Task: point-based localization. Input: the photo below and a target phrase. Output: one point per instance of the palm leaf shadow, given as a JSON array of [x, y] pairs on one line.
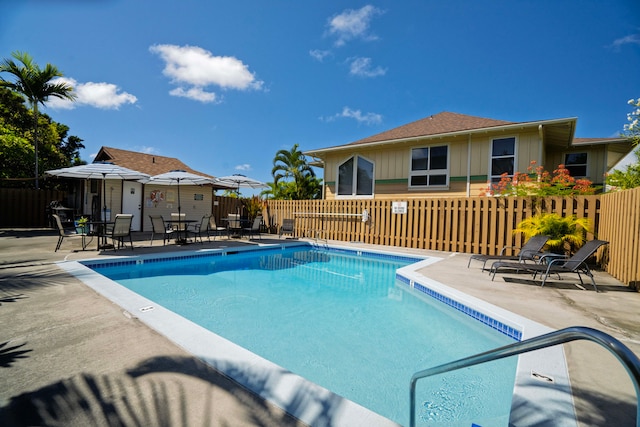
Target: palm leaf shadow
[[9, 355]]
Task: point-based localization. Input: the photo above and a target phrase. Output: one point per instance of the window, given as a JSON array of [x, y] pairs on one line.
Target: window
[[503, 158], [429, 167], [576, 163], [355, 177]]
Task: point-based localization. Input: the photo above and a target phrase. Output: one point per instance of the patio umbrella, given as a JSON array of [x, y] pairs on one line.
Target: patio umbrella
[[99, 170], [238, 180], [179, 177]]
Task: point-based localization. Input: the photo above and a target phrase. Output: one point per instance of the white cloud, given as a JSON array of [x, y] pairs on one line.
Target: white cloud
[[630, 39], [243, 167], [362, 67], [195, 93], [145, 149], [353, 24], [366, 118], [106, 96], [319, 55], [193, 69]]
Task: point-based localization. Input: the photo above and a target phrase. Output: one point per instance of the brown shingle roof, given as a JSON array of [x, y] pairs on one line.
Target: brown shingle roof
[[436, 124], [151, 164]]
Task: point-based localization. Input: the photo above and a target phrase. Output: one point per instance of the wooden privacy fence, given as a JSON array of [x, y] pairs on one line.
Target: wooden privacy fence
[[473, 225], [481, 225], [620, 226], [20, 207], [223, 206]]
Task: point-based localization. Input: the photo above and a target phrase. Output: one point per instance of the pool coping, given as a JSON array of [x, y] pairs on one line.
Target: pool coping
[[280, 386]]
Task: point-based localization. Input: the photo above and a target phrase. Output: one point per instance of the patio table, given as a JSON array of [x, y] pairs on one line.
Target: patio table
[[99, 229], [181, 240]]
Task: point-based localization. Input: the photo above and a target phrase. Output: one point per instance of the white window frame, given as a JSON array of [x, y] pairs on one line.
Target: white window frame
[[586, 164], [353, 194], [492, 157], [429, 172]]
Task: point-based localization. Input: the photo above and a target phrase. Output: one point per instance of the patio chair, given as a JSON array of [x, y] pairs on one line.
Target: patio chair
[[255, 227], [160, 228], [288, 227], [121, 229], [178, 221], [202, 228], [234, 225], [64, 233], [214, 229], [576, 264], [530, 251]]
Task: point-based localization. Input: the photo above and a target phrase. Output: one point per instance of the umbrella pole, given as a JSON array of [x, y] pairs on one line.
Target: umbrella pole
[[104, 210], [179, 214]]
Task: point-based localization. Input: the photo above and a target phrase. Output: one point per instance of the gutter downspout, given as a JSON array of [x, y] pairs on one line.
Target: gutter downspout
[[469, 166]]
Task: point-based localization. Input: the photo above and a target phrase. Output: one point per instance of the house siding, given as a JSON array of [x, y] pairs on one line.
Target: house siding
[[392, 164], [194, 209]]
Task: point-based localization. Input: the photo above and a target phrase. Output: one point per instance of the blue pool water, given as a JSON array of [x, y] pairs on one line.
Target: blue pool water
[[341, 321]]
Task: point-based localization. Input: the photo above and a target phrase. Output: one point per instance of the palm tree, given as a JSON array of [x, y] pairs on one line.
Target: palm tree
[[292, 165], [35, 85]]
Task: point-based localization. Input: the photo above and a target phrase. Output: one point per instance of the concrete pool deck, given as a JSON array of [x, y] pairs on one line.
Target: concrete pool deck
[[62, 342]]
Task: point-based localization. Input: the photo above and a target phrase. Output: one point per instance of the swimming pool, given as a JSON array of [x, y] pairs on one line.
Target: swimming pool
[[402, 294]]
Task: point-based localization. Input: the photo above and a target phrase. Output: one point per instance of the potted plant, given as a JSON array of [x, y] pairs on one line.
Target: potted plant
[[81, 225], [566, 234]]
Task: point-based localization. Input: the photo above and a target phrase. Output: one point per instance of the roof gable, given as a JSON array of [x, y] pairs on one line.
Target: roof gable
[[151, 164]]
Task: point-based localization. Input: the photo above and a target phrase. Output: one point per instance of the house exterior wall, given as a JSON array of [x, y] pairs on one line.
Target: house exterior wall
[[596, 161], [194, 209], [392, 163]]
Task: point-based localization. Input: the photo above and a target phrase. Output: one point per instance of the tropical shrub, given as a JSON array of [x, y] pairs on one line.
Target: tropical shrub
[[252, 206], [539, 182], [566, 234]]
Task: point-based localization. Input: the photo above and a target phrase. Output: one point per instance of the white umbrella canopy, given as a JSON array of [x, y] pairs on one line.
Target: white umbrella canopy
[[238, 180], [98, 170], [179, 177]]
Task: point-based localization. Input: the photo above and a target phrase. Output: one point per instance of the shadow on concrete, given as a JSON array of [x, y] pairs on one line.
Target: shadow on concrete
[[161, 391], [13, 285], [8, 355], [11, 298], [591, 408], [568, 284]]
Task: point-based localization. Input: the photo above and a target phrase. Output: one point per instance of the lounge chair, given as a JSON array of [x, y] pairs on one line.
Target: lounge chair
[[530, 251], [255, 228], [288, 227], [576, 264], [121, 229], [66, 233], [160, 228]]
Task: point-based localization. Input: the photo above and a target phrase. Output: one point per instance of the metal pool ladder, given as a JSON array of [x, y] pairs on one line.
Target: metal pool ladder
[[619, 350]]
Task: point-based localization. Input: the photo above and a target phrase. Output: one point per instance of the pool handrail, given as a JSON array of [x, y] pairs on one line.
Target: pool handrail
[[562, 336]]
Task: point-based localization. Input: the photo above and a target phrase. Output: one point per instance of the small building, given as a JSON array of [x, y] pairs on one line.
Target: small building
[[143, 200], [456, 155]]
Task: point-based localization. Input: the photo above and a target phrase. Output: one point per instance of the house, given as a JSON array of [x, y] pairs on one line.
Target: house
[[143, 200], [456, 155]]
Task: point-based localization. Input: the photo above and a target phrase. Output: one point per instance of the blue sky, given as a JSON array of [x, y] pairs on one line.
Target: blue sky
[[224, 85]]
